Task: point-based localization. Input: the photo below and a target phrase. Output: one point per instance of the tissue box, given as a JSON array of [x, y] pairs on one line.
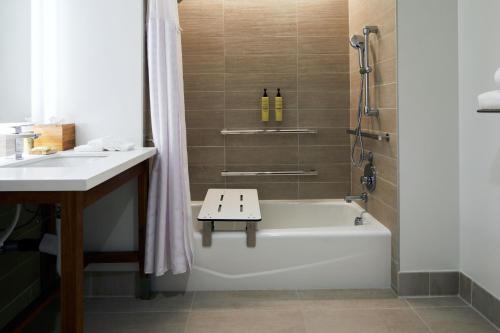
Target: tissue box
[[7, 145], [57, 137]]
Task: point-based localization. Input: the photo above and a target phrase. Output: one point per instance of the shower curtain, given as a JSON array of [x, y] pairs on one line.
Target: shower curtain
[[169, 230]]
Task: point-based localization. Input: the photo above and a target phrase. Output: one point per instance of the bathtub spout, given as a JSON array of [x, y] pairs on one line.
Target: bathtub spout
[[362, 197]]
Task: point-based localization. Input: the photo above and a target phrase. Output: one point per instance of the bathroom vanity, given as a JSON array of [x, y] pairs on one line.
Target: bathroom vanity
[[75, 181]]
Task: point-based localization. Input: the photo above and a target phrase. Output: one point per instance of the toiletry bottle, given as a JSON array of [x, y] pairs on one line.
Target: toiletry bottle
[[278, 107], [265, 107]]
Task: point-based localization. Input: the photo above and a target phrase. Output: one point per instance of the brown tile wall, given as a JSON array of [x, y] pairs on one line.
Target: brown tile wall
[[383, 203], [232, 49]]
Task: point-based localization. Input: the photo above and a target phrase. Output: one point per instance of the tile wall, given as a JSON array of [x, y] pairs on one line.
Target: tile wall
[[232, 49]]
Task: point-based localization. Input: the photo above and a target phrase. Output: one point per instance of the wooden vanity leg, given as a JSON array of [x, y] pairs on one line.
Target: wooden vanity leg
[[72, 279], [142, 197]]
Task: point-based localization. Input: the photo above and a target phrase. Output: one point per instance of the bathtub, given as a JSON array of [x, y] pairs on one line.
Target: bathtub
[[300, 245]]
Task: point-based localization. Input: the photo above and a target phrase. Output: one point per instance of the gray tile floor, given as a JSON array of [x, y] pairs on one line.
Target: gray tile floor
[[339, 311]]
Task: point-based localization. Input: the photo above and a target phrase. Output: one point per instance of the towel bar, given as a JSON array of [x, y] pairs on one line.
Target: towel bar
[[378, 137], [268, 173], [269, 131]]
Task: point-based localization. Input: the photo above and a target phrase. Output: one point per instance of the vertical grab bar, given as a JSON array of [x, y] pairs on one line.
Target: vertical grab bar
[[369, 111]]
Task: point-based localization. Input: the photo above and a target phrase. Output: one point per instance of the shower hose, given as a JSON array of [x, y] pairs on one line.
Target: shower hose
[[358, 140]]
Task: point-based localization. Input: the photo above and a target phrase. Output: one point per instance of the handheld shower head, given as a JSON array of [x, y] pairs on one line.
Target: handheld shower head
[[357, 41]]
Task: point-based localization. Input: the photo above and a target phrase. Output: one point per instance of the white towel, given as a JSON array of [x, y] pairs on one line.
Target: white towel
[[489, 100], [497, 77], [112, 144]]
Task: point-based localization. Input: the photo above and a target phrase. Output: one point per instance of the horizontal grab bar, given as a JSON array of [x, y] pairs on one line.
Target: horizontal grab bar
[[269, 131], [378, 137], [268, 173]]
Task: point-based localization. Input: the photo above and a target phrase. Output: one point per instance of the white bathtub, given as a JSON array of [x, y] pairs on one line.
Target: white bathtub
[[300, 245]]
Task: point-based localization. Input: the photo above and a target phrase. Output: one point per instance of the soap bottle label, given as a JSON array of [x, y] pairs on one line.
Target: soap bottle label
[[278, 107], [265, 107]]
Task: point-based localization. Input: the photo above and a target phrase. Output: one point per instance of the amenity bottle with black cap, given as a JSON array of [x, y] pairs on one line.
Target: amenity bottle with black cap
[[265, 107]]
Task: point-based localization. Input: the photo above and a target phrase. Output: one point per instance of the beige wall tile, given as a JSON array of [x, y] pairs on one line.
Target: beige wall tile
[[206, 174], [251, 119], [322, 45], [327, 173], [262, 64], [203, 64], [263, 179], [322, 100], [258, 81], [260, 45], [195, 119], [323, 8], [261, 155], [329, 118], [204, 82], [325, 137], [206, 155], [323, 63], [278, 140], [204, 100], [323, 190], [198, 191], [205, 137], [323, 154], [196, 45], [203, 26], [322, 26]]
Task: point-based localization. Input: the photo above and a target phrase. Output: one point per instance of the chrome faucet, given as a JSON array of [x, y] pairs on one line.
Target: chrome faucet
[[359, 220], [19, 137], [362, 197]]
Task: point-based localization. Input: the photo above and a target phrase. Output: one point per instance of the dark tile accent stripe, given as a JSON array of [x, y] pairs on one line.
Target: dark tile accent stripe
[[443, 283], [465, 288], [428, 284], [413, 284], [487, 304]]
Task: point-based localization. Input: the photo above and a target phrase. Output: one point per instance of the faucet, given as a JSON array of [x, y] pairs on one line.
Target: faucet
[[19, 136], [362, 197], [359, 220]]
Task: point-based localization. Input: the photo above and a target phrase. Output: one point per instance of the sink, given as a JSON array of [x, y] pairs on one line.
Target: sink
[[60, 162]]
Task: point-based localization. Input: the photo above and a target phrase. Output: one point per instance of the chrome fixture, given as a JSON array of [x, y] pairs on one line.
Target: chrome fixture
[[374, 136], [362, 197], [359, 220], [19, 135], [369, 178], [268, 173], [362, 44], [269, 131]]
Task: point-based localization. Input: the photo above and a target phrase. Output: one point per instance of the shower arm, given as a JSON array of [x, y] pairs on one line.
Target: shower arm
[[369, 111]]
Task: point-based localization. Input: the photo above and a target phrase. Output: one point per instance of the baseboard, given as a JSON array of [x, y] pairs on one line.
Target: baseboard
[[480, 299], [428, 283]]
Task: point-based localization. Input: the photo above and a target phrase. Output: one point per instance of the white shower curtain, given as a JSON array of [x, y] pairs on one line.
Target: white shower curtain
[[169, 232]]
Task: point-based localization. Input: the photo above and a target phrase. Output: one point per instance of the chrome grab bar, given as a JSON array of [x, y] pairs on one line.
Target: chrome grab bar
[[268, 173], [378, 137], [269, 131]]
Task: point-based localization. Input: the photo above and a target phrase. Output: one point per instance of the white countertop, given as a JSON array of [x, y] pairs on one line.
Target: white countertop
[[15, 177]]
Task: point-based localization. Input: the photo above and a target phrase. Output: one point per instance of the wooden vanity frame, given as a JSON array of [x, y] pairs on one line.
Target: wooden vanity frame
[[73, 258]]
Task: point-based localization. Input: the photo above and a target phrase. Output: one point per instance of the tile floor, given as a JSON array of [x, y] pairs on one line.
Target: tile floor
[[338, 311]]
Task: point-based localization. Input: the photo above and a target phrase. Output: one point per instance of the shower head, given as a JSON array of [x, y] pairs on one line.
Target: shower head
[[357, 41]]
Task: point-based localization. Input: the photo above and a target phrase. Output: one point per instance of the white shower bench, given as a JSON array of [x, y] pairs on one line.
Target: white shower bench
[[230, 205]]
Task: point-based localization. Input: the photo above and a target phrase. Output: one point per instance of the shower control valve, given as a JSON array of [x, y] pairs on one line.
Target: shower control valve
[[367, 180]]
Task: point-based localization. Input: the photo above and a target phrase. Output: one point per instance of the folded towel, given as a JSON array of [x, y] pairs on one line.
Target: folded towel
[[113, 144], [497, 77], [489, 100], [88, 149]]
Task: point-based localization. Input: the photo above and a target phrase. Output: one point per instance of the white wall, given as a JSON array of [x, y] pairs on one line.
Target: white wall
[[15, 60], [479, 144], [101, 90], [428, 135]]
